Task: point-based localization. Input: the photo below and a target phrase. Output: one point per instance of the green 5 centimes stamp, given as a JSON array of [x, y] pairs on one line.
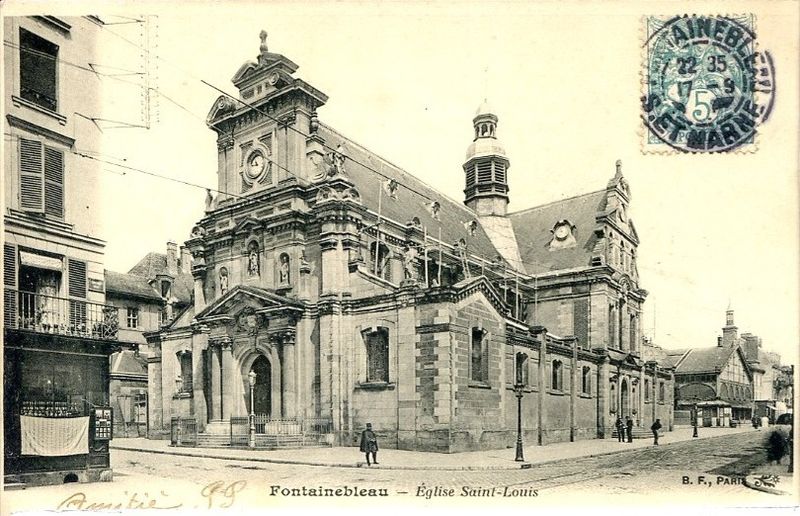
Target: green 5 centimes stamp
[[707, 88]]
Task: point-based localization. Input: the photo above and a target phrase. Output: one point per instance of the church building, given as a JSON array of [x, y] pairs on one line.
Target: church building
[[351, 292]]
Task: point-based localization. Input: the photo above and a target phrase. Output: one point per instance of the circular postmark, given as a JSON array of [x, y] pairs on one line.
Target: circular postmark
[[708, 88]]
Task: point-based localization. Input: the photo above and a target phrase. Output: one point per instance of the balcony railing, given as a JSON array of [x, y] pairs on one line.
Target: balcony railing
[[60, 316]]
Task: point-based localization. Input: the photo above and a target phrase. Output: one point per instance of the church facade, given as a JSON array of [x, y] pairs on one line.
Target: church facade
[[356, 293]]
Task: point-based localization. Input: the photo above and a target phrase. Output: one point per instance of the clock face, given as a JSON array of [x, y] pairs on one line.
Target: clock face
[[255, 165], [562, 231]]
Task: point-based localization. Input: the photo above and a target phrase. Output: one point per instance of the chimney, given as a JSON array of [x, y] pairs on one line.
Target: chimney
[[186, 260], [719, 342], [172, 258], [729, 332]]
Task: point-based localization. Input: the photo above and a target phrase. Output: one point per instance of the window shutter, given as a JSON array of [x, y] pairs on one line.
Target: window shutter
[[9, 280], [77, 279], [53, 182], [31, 197], [9, 265]]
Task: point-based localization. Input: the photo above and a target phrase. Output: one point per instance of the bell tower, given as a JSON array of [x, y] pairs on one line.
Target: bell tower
[[486, 167]]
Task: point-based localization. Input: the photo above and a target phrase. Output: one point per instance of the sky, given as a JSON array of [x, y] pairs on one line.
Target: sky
[[404, 80]]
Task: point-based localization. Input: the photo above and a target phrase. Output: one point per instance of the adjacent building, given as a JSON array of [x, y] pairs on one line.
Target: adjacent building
[[352, 292], [58, 330], [148, 296]]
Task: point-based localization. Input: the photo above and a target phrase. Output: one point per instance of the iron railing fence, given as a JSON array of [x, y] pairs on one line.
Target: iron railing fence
[[58, 315], [306, 431]]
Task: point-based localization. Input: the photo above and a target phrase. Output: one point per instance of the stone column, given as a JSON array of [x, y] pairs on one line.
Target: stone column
[[199, 295], [199, 345], [155, 400], [215, 369], [228, 378], [289, 380], [602, 402]]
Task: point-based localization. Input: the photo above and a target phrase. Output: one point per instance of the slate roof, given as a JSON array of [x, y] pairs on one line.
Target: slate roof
[[452, 216], [154, 264], [533, 230], [705, 360], [130, 285]]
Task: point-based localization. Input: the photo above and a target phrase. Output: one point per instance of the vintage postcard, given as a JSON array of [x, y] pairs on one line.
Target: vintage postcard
[[452, 255]]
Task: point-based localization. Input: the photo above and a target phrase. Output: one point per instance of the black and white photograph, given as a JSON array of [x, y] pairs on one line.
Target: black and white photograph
[[458, 254]]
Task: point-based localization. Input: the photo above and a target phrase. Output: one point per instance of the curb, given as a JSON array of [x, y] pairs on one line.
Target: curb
[[524, 465]]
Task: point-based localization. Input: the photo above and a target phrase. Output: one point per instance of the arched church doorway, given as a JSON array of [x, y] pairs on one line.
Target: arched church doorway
[[625, 402], [262, 391]]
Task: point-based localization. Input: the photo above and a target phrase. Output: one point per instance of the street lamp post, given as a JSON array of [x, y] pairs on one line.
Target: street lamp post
[[252, 435], [694, 421], [518, 391]]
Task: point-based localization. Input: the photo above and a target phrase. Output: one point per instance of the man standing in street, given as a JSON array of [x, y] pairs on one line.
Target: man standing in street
[[620, 429], [629, 425], [655, 428], [369, 444]]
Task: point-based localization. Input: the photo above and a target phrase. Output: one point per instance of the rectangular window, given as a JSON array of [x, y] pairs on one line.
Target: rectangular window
[[41, 172], [478, 371], [580, 323], [133, 317], [38, 60], [377, 343], [647, 390], [661, 392], [612, 326]]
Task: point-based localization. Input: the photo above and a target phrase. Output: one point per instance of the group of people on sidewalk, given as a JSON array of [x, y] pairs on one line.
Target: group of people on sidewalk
[[625, 428]]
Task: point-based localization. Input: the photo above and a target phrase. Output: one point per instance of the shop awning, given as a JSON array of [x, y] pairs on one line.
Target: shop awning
[[29, 259]]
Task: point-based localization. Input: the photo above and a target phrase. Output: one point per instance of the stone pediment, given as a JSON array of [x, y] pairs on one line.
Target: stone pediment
[[247, 225], [252, 300], [274, 63]]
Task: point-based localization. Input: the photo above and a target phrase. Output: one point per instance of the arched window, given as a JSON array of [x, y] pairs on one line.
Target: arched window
[[376, 341], [557, 380], [646, 389], [632, 343], [253, 260], [586, 380], [479, 370], [521, 369], [183, 383]]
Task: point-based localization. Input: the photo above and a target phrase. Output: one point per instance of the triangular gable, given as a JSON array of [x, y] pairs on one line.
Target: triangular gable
[[467, 286], [240, 293], [743, 358], [247, 225]]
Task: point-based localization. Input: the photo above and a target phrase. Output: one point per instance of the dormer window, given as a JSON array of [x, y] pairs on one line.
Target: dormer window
[[563, 235]]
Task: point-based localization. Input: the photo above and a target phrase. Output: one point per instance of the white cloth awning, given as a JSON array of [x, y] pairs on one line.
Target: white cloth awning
[[42, 262]]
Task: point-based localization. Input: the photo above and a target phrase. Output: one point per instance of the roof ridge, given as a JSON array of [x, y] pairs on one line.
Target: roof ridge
[[526, 210]]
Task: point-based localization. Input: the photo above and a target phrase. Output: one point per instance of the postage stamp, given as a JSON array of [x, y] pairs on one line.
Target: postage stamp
[[706, 86]]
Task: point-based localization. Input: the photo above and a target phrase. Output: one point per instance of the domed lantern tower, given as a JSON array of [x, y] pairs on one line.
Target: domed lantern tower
[[486, 167]]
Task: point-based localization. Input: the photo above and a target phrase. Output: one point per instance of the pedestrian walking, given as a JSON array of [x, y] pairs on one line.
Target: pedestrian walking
[[369, 444], [620, 429], [629, 425], [655, 428]]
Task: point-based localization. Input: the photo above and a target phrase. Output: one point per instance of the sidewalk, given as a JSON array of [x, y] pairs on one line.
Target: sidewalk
[[350, 457]]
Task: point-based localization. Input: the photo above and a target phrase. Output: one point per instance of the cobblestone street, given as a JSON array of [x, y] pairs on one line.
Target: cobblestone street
[[166, 480]]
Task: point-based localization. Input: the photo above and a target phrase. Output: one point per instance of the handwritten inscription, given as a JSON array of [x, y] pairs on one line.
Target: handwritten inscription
[[222, 495], [218, 495], [80, 502]]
